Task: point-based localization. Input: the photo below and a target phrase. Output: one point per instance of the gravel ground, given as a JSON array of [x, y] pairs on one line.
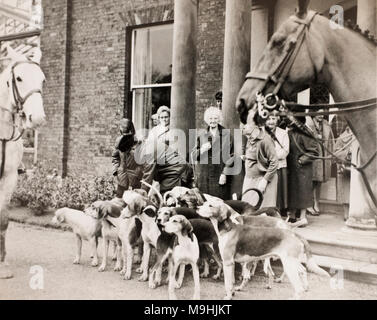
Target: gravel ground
[[53, 251]]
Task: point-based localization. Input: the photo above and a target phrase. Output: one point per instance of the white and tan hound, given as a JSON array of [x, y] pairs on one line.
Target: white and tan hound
[[243, 243], [185, 251]]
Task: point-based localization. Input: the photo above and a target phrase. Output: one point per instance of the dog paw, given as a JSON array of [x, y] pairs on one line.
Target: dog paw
[[122, 272], [139, 270], [178, 285], [143, 277], [152, 285], [114, 258], [204, 275], [228, 297], [239, 288], [101, 268], [269, 287], [196, 297], [127, 276], [94, 263], [117, 268], [216, 277], [76, 261]]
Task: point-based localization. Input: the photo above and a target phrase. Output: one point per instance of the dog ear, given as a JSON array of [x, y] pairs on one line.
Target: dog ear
[[224, 212], [136, 206], [60, 218], [187, 229], [150, 211]]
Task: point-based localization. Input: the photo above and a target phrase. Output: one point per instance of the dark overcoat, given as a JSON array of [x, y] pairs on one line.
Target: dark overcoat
[[300, 185], [211, 164], [128, 166]]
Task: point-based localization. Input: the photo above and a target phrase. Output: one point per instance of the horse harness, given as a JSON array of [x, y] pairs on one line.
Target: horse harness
[[19, 105], [278, 76]]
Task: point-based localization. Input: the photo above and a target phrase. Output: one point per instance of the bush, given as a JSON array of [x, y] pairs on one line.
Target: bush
[[41, 191]]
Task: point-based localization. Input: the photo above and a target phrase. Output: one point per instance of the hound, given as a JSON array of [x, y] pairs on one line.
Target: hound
[[144, 210], [185, 251], [245, 243], [107, 212], [84, 226], [204, 231]]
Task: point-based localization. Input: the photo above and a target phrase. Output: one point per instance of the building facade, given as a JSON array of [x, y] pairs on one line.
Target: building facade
[[109, 59]]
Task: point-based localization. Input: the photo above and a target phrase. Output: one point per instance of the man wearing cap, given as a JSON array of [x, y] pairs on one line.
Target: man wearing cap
[[127, 166]]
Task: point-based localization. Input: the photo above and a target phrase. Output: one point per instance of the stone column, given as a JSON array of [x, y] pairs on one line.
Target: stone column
[[259, 33], [367, 15], [184, 65], [236, 56], [360, 214], [236, 65]]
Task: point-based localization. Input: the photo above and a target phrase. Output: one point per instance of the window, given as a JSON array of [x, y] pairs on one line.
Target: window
[[20, 16], [21, 22], [151, 71]]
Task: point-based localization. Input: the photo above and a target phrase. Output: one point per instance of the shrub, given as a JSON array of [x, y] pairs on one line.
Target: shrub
[[40, 191]]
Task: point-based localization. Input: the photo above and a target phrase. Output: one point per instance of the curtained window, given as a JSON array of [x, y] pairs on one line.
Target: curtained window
[[151, 66]]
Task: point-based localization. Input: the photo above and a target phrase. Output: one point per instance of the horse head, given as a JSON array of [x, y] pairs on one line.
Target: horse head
[[21, 85], [290, 57]]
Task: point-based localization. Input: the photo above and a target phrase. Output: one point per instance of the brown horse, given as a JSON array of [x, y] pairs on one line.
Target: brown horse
[[20, 97], [341, 59]]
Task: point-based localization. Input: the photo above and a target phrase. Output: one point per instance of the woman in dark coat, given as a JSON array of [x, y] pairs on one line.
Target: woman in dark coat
[[214, 152], [300, 173], [126, 167]]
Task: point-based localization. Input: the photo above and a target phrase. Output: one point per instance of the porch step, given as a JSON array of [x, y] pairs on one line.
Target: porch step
[[342, 249], [348, 269], [328, 236], [330, 206]]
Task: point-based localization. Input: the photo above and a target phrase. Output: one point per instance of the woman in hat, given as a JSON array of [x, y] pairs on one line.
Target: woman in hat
[[261, 162], [126, 157], [302, 150], [281, 141]]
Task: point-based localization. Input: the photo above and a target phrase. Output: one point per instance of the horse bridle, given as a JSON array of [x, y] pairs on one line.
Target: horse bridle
[[279, 75], [19, 106]]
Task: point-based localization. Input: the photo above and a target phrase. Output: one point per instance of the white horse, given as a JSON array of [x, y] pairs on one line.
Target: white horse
[[21, 107]]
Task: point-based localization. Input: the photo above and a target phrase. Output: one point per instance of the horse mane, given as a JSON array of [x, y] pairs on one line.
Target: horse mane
[[365, 34]]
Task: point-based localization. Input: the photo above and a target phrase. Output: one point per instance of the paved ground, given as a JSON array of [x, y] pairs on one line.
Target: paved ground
[[53, 251]]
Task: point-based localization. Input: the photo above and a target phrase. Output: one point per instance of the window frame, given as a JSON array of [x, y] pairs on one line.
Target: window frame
[[130, 107]]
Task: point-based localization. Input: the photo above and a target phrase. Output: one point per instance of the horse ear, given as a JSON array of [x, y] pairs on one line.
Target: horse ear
[[302, 9], [35, 55], [8, 55]]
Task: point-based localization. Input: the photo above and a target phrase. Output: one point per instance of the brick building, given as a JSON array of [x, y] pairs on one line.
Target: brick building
[[102, 62]]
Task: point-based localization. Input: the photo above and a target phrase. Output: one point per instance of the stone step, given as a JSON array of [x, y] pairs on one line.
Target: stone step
[[331, 207], [348, 269], [343, 249]]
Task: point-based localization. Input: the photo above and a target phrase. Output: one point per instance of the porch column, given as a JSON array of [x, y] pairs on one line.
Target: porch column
[[361, 215], [259, 33], [184, 65], [366, 15], [236, 56]]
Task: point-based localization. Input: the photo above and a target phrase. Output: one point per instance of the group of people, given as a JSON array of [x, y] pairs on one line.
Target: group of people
[[285, 164]]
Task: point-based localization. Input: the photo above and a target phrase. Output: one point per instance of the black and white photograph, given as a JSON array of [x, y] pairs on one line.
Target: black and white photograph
[[155, 150]]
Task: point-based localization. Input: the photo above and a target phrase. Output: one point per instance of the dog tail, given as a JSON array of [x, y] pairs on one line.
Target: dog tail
[[155, 190], [310, 263], [260, 196]]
